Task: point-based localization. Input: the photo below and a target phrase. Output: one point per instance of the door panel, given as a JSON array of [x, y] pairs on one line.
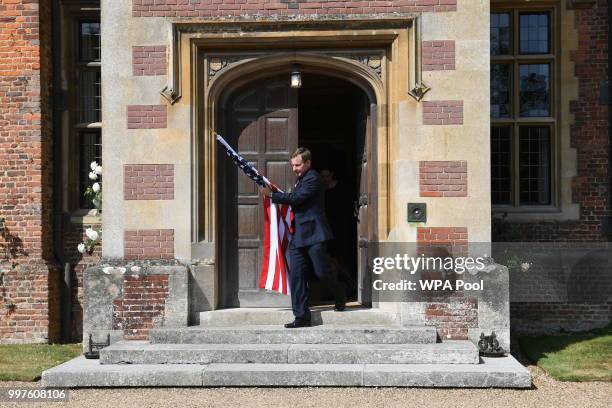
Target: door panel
[[276, 134], [366, 216], [262, 122]]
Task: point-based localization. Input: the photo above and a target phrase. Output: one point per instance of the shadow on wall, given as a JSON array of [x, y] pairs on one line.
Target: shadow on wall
[[590, 279], [11, 246]]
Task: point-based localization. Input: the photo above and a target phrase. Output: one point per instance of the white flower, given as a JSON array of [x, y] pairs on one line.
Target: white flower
[[108, 269], [96, 187], [93, 165], [525, 266], [93, 176], [135, 268], [92, 234], [81, 248], [98, 170]]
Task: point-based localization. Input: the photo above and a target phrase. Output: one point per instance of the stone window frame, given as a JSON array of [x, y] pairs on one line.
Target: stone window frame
[[552, 122], [72, 14]]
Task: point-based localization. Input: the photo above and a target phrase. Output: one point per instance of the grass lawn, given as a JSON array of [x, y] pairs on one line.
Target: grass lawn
[[26, 362], [585, 356]]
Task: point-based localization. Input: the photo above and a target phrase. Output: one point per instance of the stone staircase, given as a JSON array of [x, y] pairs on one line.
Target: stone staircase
[[238, 347]]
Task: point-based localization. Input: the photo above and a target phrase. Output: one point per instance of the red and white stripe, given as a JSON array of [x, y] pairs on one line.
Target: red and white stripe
[[277, 229]]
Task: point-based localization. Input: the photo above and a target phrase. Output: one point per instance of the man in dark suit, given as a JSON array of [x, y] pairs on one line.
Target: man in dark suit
[[308, 243]]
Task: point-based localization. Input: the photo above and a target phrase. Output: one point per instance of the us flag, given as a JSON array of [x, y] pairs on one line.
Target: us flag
[[278, 221]]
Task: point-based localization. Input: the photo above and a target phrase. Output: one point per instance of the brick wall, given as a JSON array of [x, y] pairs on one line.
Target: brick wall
[[29, 303], [149, 60], [148, 181], [147, 116], [25, 128], [443, 178], [438, 55], [207, 8], [551, 317], [452, 312], [142, 305], [29, 292], [443, 112], [149, 244]]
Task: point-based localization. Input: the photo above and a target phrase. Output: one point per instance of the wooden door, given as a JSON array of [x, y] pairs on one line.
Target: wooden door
[[261, 121], [366, 198]]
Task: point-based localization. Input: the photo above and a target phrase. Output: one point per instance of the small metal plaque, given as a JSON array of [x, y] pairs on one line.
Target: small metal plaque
[[417, 212]]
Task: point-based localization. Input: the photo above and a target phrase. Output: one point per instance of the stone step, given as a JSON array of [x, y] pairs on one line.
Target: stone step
[[138, 352], [491, 372], [329, 334], [352, 316]]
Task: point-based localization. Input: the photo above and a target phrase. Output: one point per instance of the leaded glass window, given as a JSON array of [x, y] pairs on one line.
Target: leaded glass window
[[523, 118]]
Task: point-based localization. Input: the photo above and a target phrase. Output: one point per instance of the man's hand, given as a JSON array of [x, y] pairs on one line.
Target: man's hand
[[265, 191]]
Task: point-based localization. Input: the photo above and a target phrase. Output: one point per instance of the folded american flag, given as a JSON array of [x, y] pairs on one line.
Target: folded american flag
[[278, 221]]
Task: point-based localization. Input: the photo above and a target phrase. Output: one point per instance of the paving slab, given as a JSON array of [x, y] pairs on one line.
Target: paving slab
[[278, 316], [497, 372], [450, 352], [80, 372], [328, 334], [143, 352], [147, 353]]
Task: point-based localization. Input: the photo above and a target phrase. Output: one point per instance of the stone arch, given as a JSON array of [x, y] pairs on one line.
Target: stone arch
[[249, 69]]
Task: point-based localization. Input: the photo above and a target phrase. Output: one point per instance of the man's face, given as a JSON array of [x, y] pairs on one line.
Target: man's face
[[299, 166], [327, 177]]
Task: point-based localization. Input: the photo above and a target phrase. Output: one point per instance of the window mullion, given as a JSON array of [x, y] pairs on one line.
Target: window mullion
[[516, 182]]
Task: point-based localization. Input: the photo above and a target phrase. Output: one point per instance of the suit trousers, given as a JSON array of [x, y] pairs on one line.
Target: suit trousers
[[300, 260]]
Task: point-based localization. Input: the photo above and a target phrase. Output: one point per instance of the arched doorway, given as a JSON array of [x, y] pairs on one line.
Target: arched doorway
[[266, 120]]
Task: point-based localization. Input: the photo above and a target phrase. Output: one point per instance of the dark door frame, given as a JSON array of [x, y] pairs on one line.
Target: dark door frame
[[240, 67]]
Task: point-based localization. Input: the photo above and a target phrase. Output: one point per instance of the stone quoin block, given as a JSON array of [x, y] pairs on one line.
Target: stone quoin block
[[147, 117], [149, 60], [438, 55], [148, 181], [149, 244], [443, 113], [443, 178], [218, 8]]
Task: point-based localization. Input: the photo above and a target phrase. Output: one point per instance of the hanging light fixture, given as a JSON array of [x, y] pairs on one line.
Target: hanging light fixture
[[296, 77]]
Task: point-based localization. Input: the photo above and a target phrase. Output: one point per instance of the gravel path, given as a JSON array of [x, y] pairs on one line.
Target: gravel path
[[546, 392]]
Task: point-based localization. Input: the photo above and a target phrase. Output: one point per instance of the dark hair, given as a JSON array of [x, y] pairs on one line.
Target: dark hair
[[304, 152]]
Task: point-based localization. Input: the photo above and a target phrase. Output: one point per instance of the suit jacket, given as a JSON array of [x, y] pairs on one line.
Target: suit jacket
[[308, 203]]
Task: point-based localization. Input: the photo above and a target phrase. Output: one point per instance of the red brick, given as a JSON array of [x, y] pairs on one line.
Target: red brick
[[435, 178], [438, 55], [148, 182], [212, 8], [149, 244], [443, 112], [147, 117], [143, 302]]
